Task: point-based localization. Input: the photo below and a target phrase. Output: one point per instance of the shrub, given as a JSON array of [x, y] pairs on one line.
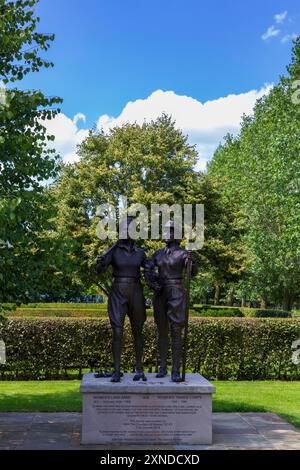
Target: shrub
[[8, 307], [100, 310], [66, 305], [217, 311], [56, 312], [68, 313], [212, 307], [231, 348], [224, 311], [268, 313], [220, 313]]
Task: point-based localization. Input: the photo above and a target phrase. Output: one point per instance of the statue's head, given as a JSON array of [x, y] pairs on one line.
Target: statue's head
[[170, 229], [123, 228]]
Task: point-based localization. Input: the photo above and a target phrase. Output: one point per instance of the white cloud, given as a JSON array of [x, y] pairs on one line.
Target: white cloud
[[273, 31], [2, 94], [270, 33], [67, 135], [79, 117], [280, 17], [205, 123], [288, 37]]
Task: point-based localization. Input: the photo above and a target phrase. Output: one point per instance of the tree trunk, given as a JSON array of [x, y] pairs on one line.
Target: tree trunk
[[243, 302], [288, 299], [264, 302], [217, 294], [230, 299]]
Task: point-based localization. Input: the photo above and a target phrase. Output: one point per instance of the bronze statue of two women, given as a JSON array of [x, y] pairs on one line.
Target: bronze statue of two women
[[164, 273]]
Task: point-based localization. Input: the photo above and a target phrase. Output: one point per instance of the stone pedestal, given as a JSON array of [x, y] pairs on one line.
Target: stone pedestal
[[154, 412]]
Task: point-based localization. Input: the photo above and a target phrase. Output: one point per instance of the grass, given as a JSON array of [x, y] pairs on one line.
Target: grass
[[277, 396], [263, 396], [56, 395]]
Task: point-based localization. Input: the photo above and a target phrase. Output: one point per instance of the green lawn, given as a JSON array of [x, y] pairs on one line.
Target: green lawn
[[272, 396], [266, 396]]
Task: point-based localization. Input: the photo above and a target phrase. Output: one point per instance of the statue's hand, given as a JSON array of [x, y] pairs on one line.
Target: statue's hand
[[153, 284], [156, 286], [100, 259]]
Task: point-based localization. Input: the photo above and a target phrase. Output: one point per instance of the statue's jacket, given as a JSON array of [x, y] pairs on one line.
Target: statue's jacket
[[168, 266], [126, 295]]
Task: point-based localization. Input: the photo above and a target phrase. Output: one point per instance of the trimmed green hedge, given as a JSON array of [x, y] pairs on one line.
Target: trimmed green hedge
[[93, 310], [231, 348], [224, 311], [8, 307], [66, 313], [270, 313], [57, 312], [213, 307], [66, 305]]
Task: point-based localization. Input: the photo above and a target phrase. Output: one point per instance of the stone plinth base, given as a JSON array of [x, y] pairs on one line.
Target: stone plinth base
[[154, 412]]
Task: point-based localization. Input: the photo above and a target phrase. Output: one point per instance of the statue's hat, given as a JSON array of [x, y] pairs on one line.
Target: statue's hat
[[125, 222], [170, 224]]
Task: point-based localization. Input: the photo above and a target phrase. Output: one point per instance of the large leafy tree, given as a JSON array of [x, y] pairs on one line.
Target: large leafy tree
[[151, 163], [261, 170], [26, 158], [148, 163]]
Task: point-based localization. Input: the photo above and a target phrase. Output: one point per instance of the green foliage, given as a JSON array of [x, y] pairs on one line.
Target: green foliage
[[260, 170], [200, 307], [222, 258], [58, 312], [93, 310], [36, 312], [26, 158], [151, 163], [19, 40], [220, 312], [148, 163], [270, 313], [218, 348], [65, 305], [224, 311], [8, 307]]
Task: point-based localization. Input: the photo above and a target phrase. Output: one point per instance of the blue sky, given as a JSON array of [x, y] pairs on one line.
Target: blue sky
[[109, 53]]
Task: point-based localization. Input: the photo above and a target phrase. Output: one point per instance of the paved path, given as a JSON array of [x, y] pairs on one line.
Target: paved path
[[230, 431]]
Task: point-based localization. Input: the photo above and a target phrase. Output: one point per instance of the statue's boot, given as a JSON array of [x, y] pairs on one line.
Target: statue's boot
[[116, 376], [175, 376], [162, 372], [116, 350], [139, 376], [163, 346], [176, 333]]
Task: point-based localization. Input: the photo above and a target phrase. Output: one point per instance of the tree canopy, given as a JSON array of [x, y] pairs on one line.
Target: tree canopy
[[151, 163], [260, 169], [26, 156]]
